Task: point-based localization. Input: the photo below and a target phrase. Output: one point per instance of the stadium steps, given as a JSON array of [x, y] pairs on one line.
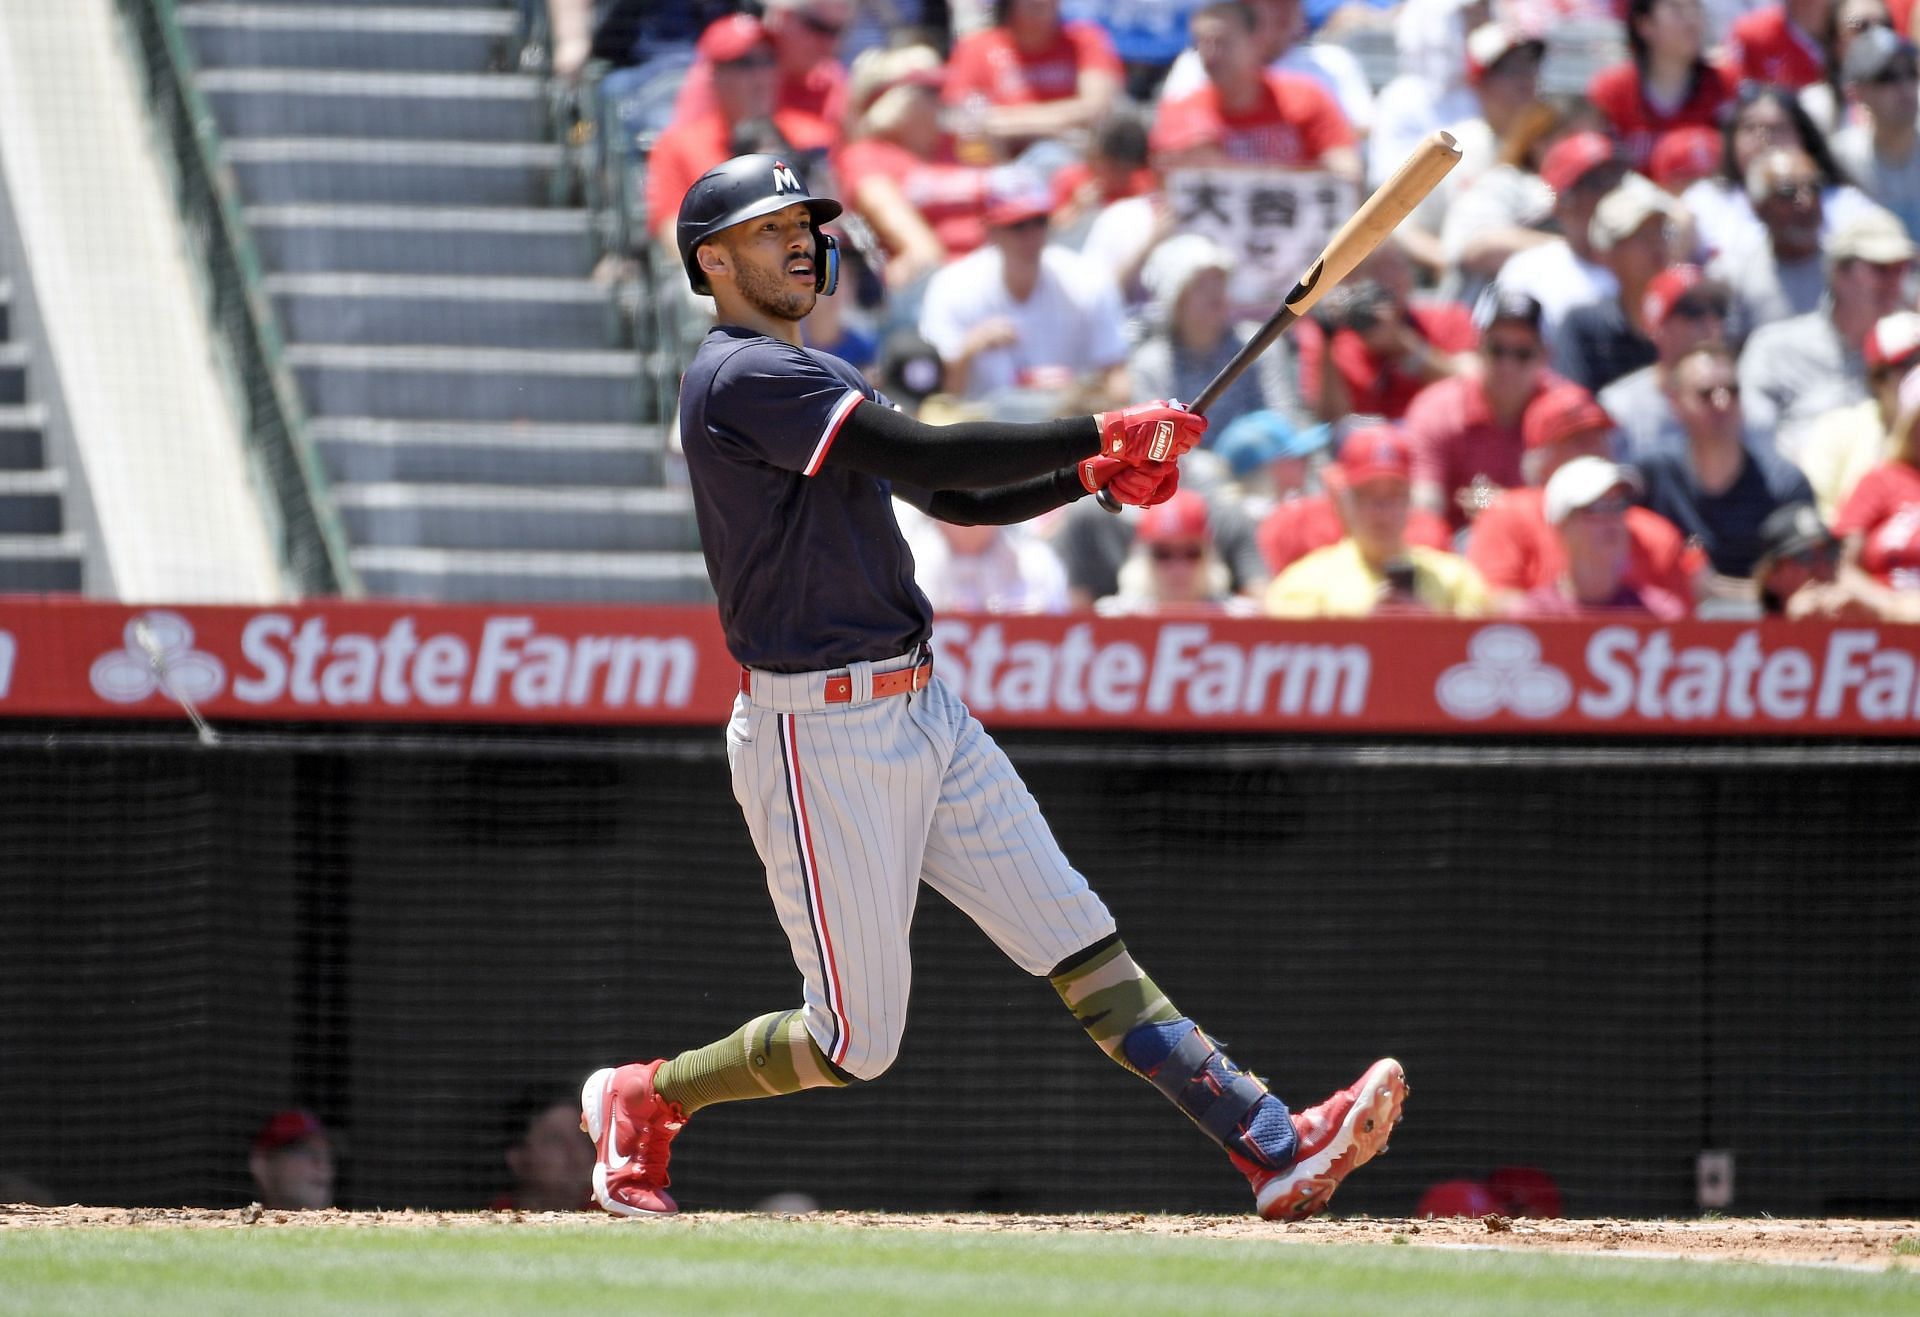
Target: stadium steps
[[369, 450], [37, 552], [473, 392]]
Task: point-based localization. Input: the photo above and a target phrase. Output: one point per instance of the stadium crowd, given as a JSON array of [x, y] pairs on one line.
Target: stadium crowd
[[1651, 347]]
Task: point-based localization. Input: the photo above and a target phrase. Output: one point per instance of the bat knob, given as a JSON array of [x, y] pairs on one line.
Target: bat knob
[[1108, 501]]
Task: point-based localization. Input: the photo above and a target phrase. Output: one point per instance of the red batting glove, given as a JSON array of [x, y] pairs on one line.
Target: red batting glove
[[1139, 486], [1149, 432]]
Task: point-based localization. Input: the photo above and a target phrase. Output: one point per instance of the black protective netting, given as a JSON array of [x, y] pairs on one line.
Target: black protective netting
[[1596, 961]]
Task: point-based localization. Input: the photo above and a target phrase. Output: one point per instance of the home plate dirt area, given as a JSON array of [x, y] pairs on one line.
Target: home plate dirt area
[[1832, 1241]]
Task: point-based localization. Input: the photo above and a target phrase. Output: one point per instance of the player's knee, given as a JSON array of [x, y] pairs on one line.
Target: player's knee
[[872, 1060]]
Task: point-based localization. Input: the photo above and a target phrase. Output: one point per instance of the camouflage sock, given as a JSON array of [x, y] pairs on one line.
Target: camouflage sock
[[1111, 996], [762, 1058]]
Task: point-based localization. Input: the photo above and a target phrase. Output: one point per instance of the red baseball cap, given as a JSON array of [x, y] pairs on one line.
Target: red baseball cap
[[1684, 155], [1894, 340], [1559, 413], [1666, 289], [1573, 157], [733, 37], [288, 1127], [1377, 452], [1016, 193], [1182, 517]]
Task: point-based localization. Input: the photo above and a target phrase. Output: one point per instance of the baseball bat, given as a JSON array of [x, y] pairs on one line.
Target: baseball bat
[[1351, 244]]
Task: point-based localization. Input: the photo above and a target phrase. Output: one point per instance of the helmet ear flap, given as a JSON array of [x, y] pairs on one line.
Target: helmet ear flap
[[826, 264]]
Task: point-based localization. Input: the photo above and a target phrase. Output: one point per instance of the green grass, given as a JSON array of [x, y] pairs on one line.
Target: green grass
[[1906, 1247], [797, 1267]]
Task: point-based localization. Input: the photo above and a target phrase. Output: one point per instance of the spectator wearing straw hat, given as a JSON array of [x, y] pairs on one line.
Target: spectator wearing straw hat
[[1633, 232], [1374, 568], [1882, 75], [1586, 503], [1803, 367], [1514, 545], [1845, 444], [898, 167], [292, 1161], [1680, 310]]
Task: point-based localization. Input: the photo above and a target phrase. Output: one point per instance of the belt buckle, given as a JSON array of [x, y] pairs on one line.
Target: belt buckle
[[917, 679]]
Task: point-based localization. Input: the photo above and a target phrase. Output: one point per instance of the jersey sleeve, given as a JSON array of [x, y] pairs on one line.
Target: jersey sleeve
[[1183, 124], [774, 402], [1093, 49], [1864, 509], [1323, 126]]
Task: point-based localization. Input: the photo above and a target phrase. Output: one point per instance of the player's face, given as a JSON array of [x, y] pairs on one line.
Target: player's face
[[772, 262]]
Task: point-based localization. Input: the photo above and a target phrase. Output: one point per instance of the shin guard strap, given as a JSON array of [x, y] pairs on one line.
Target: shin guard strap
[[1199, 1079]]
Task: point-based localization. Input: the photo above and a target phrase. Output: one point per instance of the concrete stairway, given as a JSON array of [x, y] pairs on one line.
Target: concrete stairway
[[474, 392], [37, 552]]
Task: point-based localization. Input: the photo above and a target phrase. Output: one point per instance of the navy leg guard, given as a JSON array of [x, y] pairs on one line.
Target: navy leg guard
[[1231, 1106]]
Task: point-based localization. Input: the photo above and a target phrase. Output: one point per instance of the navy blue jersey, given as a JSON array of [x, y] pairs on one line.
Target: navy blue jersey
[[807, 559], [1727, 524]]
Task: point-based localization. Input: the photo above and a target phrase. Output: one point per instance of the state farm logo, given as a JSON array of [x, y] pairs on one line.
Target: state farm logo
[[158, 655], [1503, 673]]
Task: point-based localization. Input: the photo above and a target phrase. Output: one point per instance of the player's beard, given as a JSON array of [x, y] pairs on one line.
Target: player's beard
[[770, 294]]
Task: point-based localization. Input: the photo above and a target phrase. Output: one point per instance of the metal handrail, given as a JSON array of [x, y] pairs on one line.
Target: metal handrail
[[310, 540]]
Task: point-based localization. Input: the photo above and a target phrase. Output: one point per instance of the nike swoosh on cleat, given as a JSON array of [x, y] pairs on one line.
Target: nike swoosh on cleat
[[616, 1160]]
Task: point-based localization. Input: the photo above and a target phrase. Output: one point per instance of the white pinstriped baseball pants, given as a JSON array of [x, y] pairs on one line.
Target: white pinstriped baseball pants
[[852, 806]]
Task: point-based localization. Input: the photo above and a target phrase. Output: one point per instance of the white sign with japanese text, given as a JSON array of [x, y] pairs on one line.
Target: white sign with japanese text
[[1274, 221]]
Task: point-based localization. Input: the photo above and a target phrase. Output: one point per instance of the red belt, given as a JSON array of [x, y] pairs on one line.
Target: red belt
[[839, 689]]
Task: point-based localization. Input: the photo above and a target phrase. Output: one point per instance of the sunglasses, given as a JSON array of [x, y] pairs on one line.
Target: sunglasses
[[1177, 553], [1894, 74], [758, 59], [1510, 352], [1720, 395], [1855, 26], [824, 27], [1689, 309], [1796, 192], [1027, 225], [1610, 506]]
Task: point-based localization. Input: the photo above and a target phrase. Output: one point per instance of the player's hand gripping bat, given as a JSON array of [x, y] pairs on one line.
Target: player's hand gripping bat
[[1364, 230]]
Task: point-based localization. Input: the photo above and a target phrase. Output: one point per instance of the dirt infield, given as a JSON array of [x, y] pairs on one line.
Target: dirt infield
[[1843, 1242]]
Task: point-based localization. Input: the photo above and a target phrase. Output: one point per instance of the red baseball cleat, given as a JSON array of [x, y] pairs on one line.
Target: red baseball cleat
[[1348, 1130], [631, 1127]]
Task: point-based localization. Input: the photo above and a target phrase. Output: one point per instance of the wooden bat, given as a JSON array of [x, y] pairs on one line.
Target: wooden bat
[[1351, 244]]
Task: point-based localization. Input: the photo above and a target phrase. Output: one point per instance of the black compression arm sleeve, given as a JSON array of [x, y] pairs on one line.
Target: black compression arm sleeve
[[971, 455], [1009, 503]]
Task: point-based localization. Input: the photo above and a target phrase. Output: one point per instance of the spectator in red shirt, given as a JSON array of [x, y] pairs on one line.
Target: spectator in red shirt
[[899, 170], [1781, 44], [1586, 505], [1799, 575], [744, 118], [1880, 520], [1031, 76], [1513, 543], [804, 34], [1668, 82], [1466, 430], [1247, 114], [1387, 346]]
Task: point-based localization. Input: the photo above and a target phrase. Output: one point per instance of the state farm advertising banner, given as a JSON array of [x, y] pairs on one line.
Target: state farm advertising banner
[[609, 666]]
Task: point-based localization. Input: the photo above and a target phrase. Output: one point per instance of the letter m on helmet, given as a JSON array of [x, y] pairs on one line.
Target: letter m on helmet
[[784, 179]]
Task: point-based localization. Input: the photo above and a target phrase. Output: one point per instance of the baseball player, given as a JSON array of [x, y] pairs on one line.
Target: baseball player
[[861, 774]]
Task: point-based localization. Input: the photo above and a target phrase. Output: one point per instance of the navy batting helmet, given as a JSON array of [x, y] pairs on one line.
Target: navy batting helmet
[[745, 188]]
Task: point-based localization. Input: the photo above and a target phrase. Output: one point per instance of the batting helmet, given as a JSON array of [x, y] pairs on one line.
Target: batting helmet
[[745, 188]]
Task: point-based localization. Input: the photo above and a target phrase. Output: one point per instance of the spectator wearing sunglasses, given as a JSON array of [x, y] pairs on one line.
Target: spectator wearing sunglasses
[[1465, 431], [1846, 443], [1882, 75], [1680, 310], [1776, 272], [1175, 567], [1724, 480], [804, 35], [1797, 370], [1826, 102]]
